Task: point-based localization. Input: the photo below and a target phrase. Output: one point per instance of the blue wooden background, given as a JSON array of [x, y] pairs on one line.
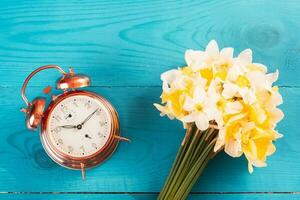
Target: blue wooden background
[[124, 46]]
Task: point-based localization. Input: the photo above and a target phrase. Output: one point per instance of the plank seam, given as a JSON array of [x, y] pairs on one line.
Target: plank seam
[[154, 193]]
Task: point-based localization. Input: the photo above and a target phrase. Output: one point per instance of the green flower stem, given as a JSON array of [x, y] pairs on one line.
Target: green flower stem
[[190, 162], [195, 172], [185, 170], [177, 162], [180, 173], [209, 156], [200, 147], [189, 188]]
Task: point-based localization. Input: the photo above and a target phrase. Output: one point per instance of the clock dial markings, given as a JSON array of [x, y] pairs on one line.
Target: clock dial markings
[[60, 141], [75, 103], [98, 113], [87, 105], [57, 129], [82, 148], [94, 145], [93, 118], [103, 123], [57, 118]]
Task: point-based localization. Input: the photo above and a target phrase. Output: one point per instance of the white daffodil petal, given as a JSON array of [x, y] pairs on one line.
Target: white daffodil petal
[[219, 120], [201, 64], [192, 57], [233, 107], [275, 99], [190, 118], [250, 168], [163, 110], [226, 53], [199, 94], [212, 49], [248, 126], [245, 56], [248, 96], [259, 81], [276, 115], [271, 149], [218, 145], [166, 87], [220, 141], [261, 67], [272, 77], [259, 163], [170, 76], [278, 135], [236, 117], [188, 104], [234, 72], [229, 90], [202, 121], [233, 148]]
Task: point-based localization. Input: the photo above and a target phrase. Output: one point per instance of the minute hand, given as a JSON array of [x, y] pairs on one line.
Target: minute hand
[[68, 126], [89, 117]]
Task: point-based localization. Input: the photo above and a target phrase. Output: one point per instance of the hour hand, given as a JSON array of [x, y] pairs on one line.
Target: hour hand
[[68, 126]]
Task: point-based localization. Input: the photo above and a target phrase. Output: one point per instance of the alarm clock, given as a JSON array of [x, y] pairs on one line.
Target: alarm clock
[[79, 129]]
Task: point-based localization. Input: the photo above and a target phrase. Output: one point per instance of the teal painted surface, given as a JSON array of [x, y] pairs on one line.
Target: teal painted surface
[[124, 46], [148, 196]]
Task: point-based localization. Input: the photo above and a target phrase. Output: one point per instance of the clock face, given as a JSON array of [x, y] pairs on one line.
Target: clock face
[[79, 125]]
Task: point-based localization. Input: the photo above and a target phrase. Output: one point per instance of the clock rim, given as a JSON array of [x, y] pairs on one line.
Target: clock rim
[[89, 161]]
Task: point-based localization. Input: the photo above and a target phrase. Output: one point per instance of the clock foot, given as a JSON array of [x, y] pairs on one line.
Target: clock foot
[[122, 138], [82, 171]]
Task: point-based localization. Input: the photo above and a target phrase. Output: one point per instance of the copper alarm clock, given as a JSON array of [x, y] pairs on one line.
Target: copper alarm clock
[[79, 129]]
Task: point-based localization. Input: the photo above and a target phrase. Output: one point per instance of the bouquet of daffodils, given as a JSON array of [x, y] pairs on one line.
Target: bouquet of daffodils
[[224, 102]]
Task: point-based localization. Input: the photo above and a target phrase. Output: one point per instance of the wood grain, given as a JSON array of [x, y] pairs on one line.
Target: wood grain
[[124, 46], [132, 42], [142, 165]]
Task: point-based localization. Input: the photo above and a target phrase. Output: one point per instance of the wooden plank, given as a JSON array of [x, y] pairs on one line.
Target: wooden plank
[[142, 165], [122, 42], [148, 196]]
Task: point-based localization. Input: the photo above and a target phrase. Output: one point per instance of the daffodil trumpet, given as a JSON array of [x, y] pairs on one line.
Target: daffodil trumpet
[[225, 103]]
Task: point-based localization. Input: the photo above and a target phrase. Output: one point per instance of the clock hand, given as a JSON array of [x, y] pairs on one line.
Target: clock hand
[[68, 126], [87, 136], [89, 117], [68, 116]]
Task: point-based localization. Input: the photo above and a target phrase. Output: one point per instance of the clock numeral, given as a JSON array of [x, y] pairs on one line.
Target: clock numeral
[[75, 103], [57, 129], [57, 118], [63, 110], [87, 105], [98, 113], [103, 123], [70, 149], [101, 135], [94, 145], [82, 148]]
